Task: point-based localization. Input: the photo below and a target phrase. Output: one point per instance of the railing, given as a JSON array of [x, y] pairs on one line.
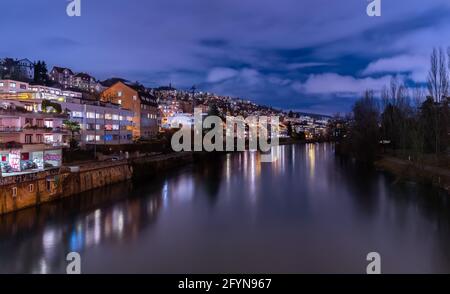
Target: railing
[[4, 129]]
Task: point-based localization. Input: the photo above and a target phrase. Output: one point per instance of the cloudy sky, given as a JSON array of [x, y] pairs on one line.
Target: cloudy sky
[[307, 55]]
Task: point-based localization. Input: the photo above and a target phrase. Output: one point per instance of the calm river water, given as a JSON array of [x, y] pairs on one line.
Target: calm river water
[[309, 212]]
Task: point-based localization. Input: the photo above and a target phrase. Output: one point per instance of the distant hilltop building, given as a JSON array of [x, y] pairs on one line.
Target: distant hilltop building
[[16, 69], [67, 79]]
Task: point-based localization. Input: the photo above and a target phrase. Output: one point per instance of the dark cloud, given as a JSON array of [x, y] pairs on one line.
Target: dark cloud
[[312, 55]]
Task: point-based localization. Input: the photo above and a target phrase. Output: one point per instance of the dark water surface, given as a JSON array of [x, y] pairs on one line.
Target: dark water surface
[[308, 212]]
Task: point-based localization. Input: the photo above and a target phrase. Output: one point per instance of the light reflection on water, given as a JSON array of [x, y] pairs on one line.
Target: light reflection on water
[[308, 212]]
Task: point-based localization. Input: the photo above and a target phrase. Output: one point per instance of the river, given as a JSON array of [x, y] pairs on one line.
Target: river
[[308, 212]]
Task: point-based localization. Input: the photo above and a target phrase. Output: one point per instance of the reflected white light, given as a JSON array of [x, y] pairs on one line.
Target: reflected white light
[[97, 226], [43, 269], [118, 221], [165, 193], [49, 240]]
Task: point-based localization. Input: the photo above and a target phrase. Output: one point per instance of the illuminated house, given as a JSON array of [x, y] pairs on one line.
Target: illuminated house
[[140, 102], [29, 141], [63, 76], [101, 123]]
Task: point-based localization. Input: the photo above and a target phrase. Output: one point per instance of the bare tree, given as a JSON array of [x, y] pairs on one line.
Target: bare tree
[[438, 81]]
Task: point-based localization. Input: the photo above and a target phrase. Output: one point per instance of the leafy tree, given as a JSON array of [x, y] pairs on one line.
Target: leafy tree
[[74, 128]]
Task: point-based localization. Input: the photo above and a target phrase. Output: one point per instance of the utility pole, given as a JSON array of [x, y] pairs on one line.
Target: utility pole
[[193, 98]]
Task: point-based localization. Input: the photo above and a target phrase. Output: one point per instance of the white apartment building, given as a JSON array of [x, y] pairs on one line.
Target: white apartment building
[[101, 123]]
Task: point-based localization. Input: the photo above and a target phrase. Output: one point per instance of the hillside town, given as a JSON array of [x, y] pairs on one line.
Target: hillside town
[[45, 112]]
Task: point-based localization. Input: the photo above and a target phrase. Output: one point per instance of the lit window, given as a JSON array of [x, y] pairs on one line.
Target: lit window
[[77, 114], [12, 85], [108, 116], [119, 101], [119, 94], [115, 117], [90, 115], [134, 97]]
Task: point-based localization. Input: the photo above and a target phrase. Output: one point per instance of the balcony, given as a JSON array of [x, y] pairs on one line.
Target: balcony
[[5, 129]]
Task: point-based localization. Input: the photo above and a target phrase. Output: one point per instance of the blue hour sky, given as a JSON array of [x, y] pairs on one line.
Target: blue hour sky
[[307, 55]]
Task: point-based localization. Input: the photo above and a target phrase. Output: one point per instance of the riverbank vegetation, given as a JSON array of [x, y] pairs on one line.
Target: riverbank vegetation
[[406, 121]]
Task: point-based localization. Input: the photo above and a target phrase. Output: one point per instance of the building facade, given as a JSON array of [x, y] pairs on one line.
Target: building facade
[[63, 76], [101, 123], [19, 69], [29, 141], [141, 103]]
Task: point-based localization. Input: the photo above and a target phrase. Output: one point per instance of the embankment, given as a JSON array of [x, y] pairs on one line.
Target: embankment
[[404, 169], [18, 192]]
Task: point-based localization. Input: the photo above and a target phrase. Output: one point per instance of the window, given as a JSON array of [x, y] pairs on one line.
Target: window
[[23, 86], [30, 188], [49, 185], [108, 116], [77, 114], [39, 138], [119, 94], [115, 127], [1, 84], [12, 85], [134, 97], [14, 191], [99, 116], [90, 115], [119, 101], [48, 124], [115, 117], [28, 139]]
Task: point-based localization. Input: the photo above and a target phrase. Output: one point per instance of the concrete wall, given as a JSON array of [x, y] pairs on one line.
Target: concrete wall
[[34, 189], [45, 187]]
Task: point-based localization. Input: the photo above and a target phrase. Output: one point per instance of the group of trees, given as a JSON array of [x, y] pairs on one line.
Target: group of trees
[[409, 121], [41, 73]]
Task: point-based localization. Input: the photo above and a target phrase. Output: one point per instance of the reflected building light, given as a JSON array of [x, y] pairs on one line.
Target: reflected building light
[[165, 193], [282, 158], [228, 168], [97, 226], [118, 221], [245, 154], [311, 159], [293, 157], [253, 171], [50, 239], [182, 190], [76, 241], [43, 268]]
